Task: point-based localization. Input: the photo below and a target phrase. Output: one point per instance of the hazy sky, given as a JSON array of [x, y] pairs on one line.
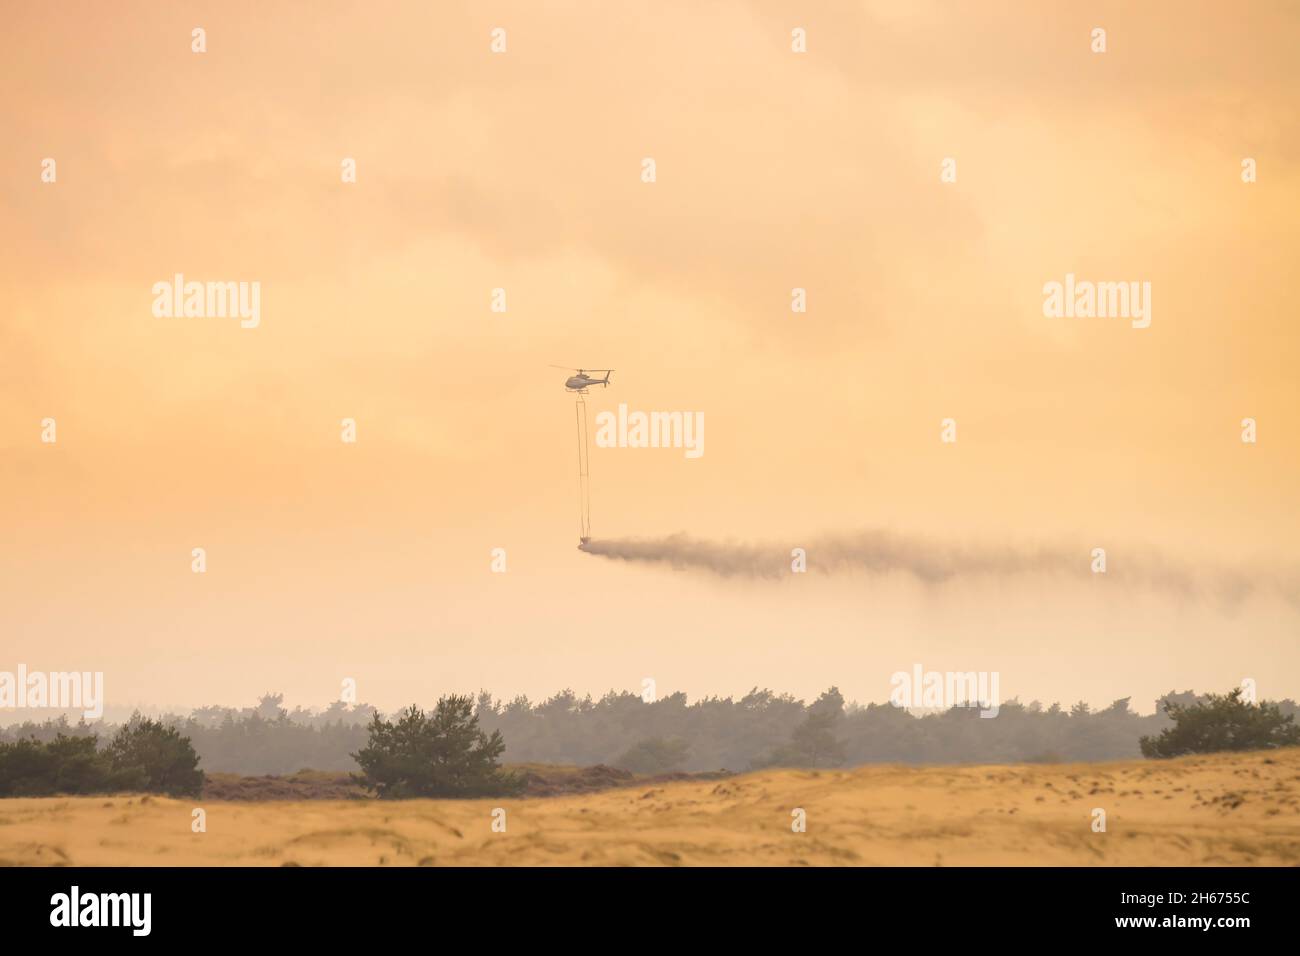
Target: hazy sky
[[522, 170]]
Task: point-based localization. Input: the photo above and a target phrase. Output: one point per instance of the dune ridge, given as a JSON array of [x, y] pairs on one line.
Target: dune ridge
[[1223, 809]]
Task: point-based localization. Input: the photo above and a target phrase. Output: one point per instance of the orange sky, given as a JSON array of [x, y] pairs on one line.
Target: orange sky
[[522, 170]]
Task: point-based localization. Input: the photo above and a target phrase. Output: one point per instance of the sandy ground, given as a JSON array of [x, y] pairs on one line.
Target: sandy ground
[[1222, 810]]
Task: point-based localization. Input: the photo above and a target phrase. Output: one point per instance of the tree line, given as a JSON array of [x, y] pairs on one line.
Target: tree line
[[760, 729]]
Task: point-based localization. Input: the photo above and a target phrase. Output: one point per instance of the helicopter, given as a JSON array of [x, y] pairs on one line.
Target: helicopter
[[582, 381]]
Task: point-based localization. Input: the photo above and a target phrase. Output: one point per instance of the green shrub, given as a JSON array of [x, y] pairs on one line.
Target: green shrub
[[144, 755], [148, 755], [442, 754], [1221, 722]]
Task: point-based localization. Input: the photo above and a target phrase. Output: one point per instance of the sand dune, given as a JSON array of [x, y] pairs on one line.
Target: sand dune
[[1241, 809]]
